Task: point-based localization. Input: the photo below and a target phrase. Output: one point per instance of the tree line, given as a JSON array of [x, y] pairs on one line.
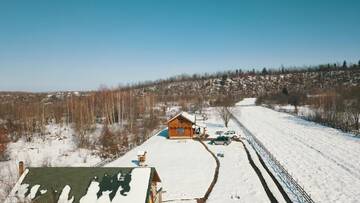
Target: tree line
[[338, 107], [124, 108], [239, 72], [132, 107]]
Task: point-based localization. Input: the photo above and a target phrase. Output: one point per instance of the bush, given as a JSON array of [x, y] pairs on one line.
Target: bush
[[109, 142], [83, 140]]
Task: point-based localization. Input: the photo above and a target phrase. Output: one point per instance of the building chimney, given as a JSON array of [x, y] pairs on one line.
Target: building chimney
[[21, 168]]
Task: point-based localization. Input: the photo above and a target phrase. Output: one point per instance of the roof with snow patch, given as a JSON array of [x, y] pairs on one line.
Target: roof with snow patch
[[84, 184], [185, 115]]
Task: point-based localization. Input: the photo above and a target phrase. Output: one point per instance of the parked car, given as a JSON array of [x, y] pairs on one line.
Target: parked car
[[232, 134], [221, 140]]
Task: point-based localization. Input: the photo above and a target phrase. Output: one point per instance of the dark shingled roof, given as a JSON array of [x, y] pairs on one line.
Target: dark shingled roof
[[54, 179]]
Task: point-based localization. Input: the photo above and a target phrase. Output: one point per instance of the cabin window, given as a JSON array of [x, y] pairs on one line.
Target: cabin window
[[180, 131]]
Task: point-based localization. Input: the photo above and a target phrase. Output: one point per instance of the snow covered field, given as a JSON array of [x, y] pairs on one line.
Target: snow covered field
[[237, 180], [187, 169], [184, 166], [58, 148], [325, 161]]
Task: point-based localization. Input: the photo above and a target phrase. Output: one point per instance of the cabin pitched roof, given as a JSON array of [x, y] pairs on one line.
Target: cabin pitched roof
[[84, 183], [185, 115]]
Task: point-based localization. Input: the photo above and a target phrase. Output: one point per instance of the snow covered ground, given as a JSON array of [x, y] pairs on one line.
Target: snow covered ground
[[325, 161], [187, 169], [184, 166], [237, 180], [58, 148]]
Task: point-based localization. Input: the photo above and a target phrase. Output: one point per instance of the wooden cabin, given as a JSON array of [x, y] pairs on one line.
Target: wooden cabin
[[181, 126]]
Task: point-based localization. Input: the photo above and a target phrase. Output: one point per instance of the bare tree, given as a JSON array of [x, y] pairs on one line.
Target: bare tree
[[353, 99], [295, 101], [225, 114], [3, 143]]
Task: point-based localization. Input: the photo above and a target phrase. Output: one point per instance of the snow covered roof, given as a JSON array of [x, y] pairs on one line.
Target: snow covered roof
[[185, 115], [84, 185]]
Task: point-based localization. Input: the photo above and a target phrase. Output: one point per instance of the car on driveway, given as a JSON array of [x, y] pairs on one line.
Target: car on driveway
[[232, 134], [221, 140]]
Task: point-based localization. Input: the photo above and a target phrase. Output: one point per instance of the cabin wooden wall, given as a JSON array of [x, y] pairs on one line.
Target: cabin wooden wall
[[180, 123]]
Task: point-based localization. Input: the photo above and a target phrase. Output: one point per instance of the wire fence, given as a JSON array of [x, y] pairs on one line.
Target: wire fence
[[297, 192]]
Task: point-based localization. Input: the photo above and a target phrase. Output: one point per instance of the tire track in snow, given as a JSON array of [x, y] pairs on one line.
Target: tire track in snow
[[330, 138], [216, 174], [339, 159], [286, 184], [259, 174], [316, 150], [321, 140], [293, 147], [253, 165], [295, 142], [278, 185]]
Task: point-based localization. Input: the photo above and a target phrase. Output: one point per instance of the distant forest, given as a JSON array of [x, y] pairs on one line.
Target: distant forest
[[140, 108], [252, 71]]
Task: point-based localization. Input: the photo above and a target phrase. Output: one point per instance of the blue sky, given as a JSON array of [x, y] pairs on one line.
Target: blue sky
[[79, 45]]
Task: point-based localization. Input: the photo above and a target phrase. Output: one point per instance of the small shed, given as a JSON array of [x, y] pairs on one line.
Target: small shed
[[200, 128], [181, 126], [141, 158]]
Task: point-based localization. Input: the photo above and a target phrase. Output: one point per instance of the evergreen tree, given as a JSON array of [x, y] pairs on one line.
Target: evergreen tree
[[285, 91], [282, 69], [344, 65], [264, 71]]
